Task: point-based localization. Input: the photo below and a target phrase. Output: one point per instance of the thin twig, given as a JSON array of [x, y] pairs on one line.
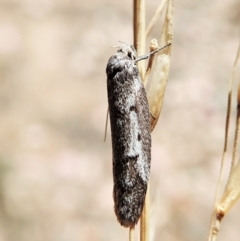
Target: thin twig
[[238, 111], [155, 17], [139, 31], [131, 233], [215, 223], [144, 222], [153, 46], [160, 72]]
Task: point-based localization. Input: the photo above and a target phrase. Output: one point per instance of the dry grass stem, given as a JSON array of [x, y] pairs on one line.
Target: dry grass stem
[[139, 31], [139, 43], [144, 222], [131, 234], [232, 190], [160, 71], [234, 156], [153, 46], [155, 17], [238, 110]]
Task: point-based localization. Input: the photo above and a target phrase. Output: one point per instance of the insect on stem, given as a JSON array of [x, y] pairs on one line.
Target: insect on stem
[[131, 136], [151, 53]]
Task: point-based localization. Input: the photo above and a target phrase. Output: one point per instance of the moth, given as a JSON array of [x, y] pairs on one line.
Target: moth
[[131, 135]]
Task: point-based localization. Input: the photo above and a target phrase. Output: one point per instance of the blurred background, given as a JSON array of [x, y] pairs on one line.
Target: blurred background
[[55, 169]]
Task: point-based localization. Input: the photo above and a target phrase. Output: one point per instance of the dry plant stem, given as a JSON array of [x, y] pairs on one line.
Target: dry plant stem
[[234, 157], [231, 192], [131, 233], [153, 46], [215, 222], [144, 222], [139, 44], [230, 197], [218, 210], [155, 17], [238, 101], [216, 228], [217, 196], [160, 71], [139, 31]]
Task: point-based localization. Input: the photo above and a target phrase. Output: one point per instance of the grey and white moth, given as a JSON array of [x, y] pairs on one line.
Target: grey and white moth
[[131, 137]]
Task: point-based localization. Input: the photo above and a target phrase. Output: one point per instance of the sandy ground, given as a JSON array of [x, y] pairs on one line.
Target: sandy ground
[[56, 173]]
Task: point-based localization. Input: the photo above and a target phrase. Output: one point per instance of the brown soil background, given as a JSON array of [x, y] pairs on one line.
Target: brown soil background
[[56, 179]]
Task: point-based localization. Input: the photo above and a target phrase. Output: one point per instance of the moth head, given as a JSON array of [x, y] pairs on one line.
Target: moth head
[[129, 51]]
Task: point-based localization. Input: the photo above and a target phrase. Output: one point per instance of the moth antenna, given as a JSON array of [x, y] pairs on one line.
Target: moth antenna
[[151, 53], [105, 132], [118, 47], [123, 43]]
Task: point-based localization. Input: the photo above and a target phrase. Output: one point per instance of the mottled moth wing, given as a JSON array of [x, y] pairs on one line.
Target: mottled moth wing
[[131, 139]]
